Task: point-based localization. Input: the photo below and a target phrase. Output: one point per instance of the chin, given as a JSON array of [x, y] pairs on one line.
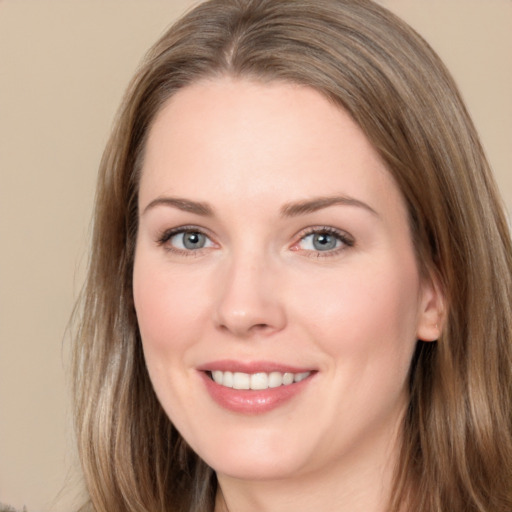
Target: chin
[[255, 461], [260, 469]]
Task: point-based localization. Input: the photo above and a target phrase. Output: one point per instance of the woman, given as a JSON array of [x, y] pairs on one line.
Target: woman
[[299, 294]]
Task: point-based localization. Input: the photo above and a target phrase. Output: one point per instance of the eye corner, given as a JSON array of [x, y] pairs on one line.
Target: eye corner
[[323, 241], [200, 240]]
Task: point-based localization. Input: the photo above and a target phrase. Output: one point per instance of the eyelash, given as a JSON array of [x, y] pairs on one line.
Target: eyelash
[[169, 233], [346, 240]]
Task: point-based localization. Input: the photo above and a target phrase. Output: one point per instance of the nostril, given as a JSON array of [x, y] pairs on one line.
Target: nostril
[[248, 314]]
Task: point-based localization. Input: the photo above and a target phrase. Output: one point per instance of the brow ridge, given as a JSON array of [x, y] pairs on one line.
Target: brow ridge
[[186, 205], [318, 203]]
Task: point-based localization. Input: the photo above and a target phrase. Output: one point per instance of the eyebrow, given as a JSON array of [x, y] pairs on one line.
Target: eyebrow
[[288, 210], [185, 205], [318, 203]]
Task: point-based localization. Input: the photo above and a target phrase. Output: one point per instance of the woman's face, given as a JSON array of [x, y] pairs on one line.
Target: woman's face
[[274, 253]]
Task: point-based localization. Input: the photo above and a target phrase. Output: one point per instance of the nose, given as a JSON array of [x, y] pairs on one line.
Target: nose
[[249, 300]]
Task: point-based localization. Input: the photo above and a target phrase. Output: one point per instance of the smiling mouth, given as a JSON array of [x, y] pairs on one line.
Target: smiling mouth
[[256, 381]]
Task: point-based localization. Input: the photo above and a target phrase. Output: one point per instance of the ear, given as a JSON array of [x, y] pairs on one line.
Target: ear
[[431, 314]]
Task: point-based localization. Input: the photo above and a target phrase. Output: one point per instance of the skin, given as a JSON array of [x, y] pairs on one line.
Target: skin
[[260, 289]]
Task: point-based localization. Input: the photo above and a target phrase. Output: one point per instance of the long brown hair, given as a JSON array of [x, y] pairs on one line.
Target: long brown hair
[[457, 436]]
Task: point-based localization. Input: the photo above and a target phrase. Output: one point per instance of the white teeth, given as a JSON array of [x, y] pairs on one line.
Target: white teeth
[[287, 379], [217, 376], [275, 379], [300, 376], [227, 379], [257, 381], [241, 380]]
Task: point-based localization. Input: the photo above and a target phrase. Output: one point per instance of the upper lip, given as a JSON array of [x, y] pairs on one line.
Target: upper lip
[[229, 365]]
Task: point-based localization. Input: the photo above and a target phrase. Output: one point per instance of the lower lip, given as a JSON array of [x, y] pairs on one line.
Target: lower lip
[[248, 401]]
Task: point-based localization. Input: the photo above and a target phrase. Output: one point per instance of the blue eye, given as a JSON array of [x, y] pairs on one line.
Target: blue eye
[[186, 240], [324, 240]]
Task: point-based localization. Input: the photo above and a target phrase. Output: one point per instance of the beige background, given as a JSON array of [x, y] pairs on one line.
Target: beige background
[[63, 67]]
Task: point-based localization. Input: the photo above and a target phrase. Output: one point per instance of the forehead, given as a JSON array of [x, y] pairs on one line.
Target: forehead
[[262, 141]]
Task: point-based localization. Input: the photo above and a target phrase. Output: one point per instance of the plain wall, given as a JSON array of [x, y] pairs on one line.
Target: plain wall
[[63, 68]]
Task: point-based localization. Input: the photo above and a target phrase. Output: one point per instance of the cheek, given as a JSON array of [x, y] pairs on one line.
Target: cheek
[[168, 324], [368, 312], [165, 309]]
